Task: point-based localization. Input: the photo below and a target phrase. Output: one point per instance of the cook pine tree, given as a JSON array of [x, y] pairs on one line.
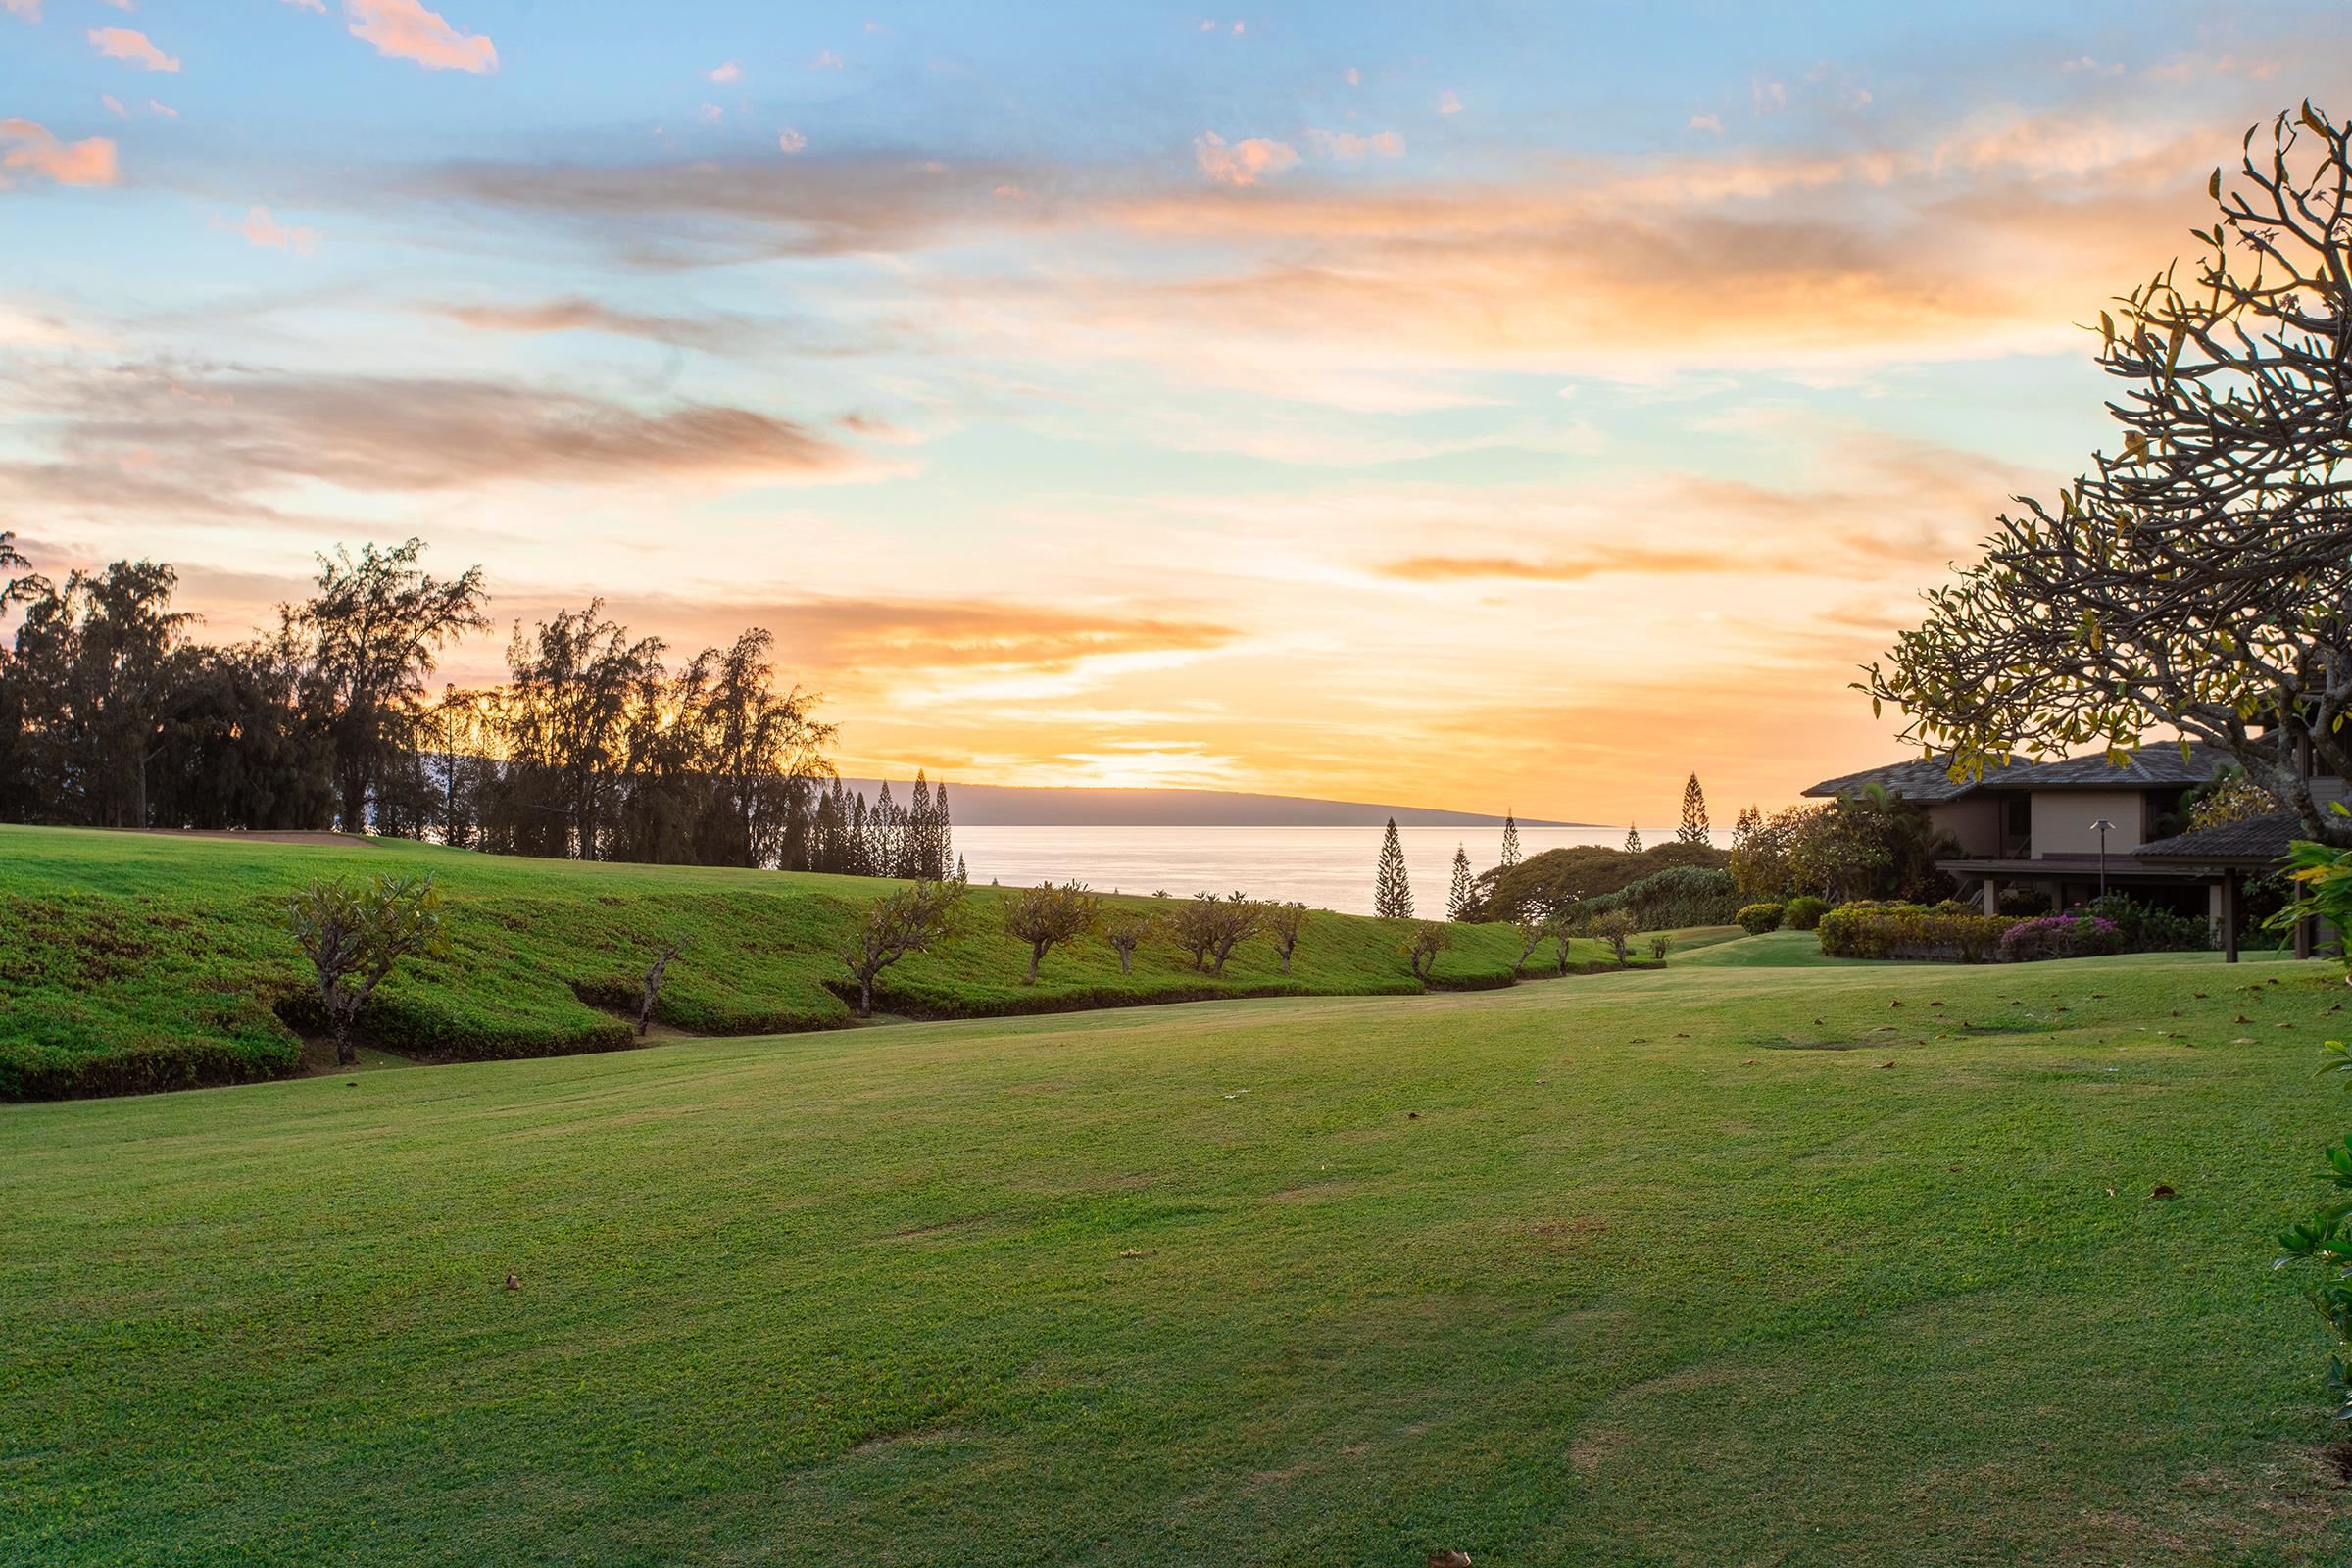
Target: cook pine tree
[[1694, 814], [1391, 888]]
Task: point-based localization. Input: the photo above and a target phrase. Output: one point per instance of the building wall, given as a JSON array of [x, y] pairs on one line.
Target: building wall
[[2062, 822], [1974, 822]]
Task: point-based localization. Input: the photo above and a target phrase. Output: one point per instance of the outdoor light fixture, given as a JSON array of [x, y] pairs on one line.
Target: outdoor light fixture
[[2103, 827]]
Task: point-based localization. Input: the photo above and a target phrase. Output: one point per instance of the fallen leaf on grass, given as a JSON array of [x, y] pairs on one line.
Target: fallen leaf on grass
[[1131, 1252], [1886, 1064], [1448, 1559], [514, 1284], [2160, 1189]]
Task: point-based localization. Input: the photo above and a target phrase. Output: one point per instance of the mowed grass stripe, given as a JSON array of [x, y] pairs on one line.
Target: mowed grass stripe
[[1571, 1273]]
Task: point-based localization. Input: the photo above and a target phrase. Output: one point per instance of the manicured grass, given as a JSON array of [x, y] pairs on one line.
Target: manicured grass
[[132, 961], [1718, 1264]]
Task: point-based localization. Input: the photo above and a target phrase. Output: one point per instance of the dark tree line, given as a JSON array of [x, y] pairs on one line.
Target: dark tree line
[[596, 747]]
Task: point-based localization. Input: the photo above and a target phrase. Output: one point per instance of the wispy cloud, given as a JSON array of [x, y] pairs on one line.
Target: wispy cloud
[[29, 10], [728, 73], [240, 434], [132, 47], [790, 141], [29, 149], [1348, 145], [404, 29]]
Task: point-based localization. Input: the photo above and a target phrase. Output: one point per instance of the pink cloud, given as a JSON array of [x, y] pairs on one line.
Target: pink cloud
[[260, 229], [113, 102], [132, 46], [1450, 102], [730, 71], [29, 10], [165, 110], [405, 29], [308, 5], [790, 140], [1243, 163], [32, 149]]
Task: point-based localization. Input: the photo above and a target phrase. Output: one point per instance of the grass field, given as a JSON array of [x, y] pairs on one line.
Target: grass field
[[134, 962], [1734, 1263]]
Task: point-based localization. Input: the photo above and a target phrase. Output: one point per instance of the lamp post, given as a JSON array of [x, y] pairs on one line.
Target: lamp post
[[2103, 827]]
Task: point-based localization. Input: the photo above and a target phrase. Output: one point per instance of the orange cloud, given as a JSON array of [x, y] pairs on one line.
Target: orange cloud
[[29, 147], [132, 47], [1242, 163], [405, 29]]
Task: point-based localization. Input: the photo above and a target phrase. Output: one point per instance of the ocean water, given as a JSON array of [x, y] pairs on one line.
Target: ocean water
[[1328, 868]]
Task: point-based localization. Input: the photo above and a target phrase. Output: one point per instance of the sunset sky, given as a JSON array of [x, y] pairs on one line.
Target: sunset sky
[[1462, 405]]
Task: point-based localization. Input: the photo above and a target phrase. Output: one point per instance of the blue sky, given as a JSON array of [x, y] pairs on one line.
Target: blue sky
[[1466, 405]]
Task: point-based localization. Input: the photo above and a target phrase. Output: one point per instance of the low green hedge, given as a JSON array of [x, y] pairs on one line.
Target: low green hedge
[[1757, 918], [1873, 930]]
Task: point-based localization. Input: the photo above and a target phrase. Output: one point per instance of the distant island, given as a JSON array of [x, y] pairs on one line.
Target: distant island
[[1006, 806]]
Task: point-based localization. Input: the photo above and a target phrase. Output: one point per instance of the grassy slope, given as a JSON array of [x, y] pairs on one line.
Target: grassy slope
[[144, 961], [1588, 1273]]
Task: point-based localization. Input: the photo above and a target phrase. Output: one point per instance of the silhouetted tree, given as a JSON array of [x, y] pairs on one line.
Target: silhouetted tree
[[1694, 815], [1510, 840], [1460, 899], [374, 628], [1633, 841]]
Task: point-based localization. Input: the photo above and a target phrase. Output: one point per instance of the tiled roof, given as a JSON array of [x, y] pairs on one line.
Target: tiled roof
[[1925, 781], [2258, 838], [2145, 767]]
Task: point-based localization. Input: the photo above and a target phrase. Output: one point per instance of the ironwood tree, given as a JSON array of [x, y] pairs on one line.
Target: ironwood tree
[[1391, 888], [1510, 840], [373, 628], [1461, 897], [2198, 579]]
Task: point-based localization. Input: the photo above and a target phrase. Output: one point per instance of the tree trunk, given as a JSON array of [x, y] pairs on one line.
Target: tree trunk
[[1126, 960], [1035, 953], [346, 1054], [1286, 960], [865, 995]]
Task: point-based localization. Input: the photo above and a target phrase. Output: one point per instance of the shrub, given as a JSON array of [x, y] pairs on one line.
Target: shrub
[[1876, 930], [355, 937], [2319, 1252], [2148, 929], [1757, 918], [2060, 936], [1615, 929], [1804, 912], [1423, 944], [1046, 914]]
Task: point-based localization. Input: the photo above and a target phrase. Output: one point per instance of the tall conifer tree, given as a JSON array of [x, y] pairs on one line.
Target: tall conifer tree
[[1393, 890], [1694, 815], [1511, 839], [1633, 841], [1458, 898]]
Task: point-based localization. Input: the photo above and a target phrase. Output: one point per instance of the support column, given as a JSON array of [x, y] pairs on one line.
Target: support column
[[2230, 917], [1993, 897], [2303, 946]]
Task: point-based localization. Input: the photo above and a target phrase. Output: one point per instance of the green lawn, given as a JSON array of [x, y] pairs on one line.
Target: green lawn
[[1731, 1263], [133, 961]]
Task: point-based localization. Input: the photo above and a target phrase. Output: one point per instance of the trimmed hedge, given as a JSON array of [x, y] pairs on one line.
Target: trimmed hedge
[[1757, 918], [1804, 912], [1875, 930], [2061, 936]]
